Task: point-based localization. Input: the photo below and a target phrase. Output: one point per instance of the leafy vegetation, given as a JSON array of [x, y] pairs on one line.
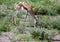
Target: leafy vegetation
[[43, 34], [4, 28], [49, 22], [39, 6]]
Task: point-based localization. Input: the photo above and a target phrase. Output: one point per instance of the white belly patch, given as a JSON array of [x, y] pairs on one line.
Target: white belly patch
[[23, 9]]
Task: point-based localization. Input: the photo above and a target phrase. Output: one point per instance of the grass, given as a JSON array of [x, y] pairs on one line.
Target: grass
[[33, 33], [49, 25], [41, 7]]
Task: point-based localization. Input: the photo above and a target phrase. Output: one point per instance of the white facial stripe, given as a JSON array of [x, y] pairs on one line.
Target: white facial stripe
[[21, 2]]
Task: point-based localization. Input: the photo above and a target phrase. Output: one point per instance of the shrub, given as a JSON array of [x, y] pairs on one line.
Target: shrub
[[49, 22], [42, 33], [39, 6], [4, 28], [26, 37], [51, 10], [35, 34], [40, 10], [46, 7], [55, 24], [57, 7]]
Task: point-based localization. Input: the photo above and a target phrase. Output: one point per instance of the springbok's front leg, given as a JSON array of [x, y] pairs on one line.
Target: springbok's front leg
[[36, 22], [34, 17], [14, 16]]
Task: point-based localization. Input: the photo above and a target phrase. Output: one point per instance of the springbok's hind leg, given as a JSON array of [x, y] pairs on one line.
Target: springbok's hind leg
[[34, 17]]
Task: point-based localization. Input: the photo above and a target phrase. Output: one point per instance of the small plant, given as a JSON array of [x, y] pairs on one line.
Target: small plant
[[51, 10], [40, 10], [39, 34], [57, 7], [4, 28], [35, 34], [43, 34], [49, 22]]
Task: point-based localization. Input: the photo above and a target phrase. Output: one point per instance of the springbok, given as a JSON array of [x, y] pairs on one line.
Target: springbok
[[27, 8]]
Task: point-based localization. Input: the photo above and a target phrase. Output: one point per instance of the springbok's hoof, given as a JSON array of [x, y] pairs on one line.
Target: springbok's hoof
[[36, 25]]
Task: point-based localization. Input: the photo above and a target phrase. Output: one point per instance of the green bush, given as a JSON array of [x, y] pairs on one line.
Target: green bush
[[49, 22], [2, 13], [51, 10], [40, 10], [35, 34], [42, 33], [4, 28], [39, 6], [46, 7], [57, 7], [55, 23]]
